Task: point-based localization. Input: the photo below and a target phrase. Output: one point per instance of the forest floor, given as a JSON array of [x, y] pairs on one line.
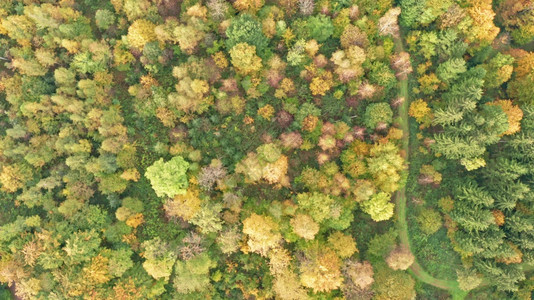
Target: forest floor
[[400, 197]]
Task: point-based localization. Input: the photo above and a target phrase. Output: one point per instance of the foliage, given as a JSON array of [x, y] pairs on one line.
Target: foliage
[[377, 113], [168, 178], [429, 220], [246, 29], [193, 275], [244, 59], [273, 137]]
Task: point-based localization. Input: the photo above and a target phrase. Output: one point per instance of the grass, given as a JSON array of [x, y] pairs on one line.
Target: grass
[[400, 197]]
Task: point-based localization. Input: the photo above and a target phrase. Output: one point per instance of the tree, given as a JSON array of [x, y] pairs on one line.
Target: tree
[[306, 7], [384, 164], [304, 226], [381, 74], [429, 220], [168, 178], [30, 67], [450, 70], [317, 205], [193, 275], [319, 27], [344, 245], [514, 114], [104, 18], [119, 261], [518, 19], [400, 258], [411, 11], [287, 286], [19, 27], [421, 112], [498, 70], [251, 6], [140, 33], [387, 24], [505, 277], [321, 271], [14, 177], [262, 232], [376, 113], [401, 64], [396, 285], [244, 59], [208, 218], [468, 279], [353, 36], [379, 207], [228, 240], [246, 29], [159, 258], [256, 168], [522, 88], [359, 274], [187, 36], [349, 63]]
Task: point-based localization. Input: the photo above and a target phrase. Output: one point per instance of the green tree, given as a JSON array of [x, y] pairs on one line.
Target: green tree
[[104, 18], [379, 207], [168, 178], [396, 285], [246, 29], [159, 258], [319, 27], [193, 275], [498, 70], [377, 113], [449, 70], [429, 220], [244, 59]]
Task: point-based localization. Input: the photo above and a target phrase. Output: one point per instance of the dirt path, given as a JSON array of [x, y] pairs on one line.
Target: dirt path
[[400, 196], [12, 288]]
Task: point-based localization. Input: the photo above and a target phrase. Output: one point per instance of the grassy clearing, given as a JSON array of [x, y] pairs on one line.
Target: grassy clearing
[[400, 197]]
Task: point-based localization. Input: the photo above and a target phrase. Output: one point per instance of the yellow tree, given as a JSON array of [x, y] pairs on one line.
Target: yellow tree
[[262, 233], [140, 33], [251, 6], [320, 270], [344, 245], [514, 113], [19, 28], [400, 258], [421, 112], [482, 29], [304, 226], [287, 286], [244, 59], [183, 206], [13, 177]]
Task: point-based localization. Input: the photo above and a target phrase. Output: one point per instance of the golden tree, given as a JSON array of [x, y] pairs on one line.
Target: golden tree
[[482, 29], [514, 113], [320, 269], [183, 206], [400, 258], [344, 245], [140, 33], [13, 177], [421, 112], [244, 59], [251, 6], [304, 226], [262, 233]]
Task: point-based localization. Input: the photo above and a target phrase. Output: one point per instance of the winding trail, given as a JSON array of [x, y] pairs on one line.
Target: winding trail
[[400, 196]]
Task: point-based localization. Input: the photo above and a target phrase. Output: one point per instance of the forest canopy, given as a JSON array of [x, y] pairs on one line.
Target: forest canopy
[[279, 149]]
